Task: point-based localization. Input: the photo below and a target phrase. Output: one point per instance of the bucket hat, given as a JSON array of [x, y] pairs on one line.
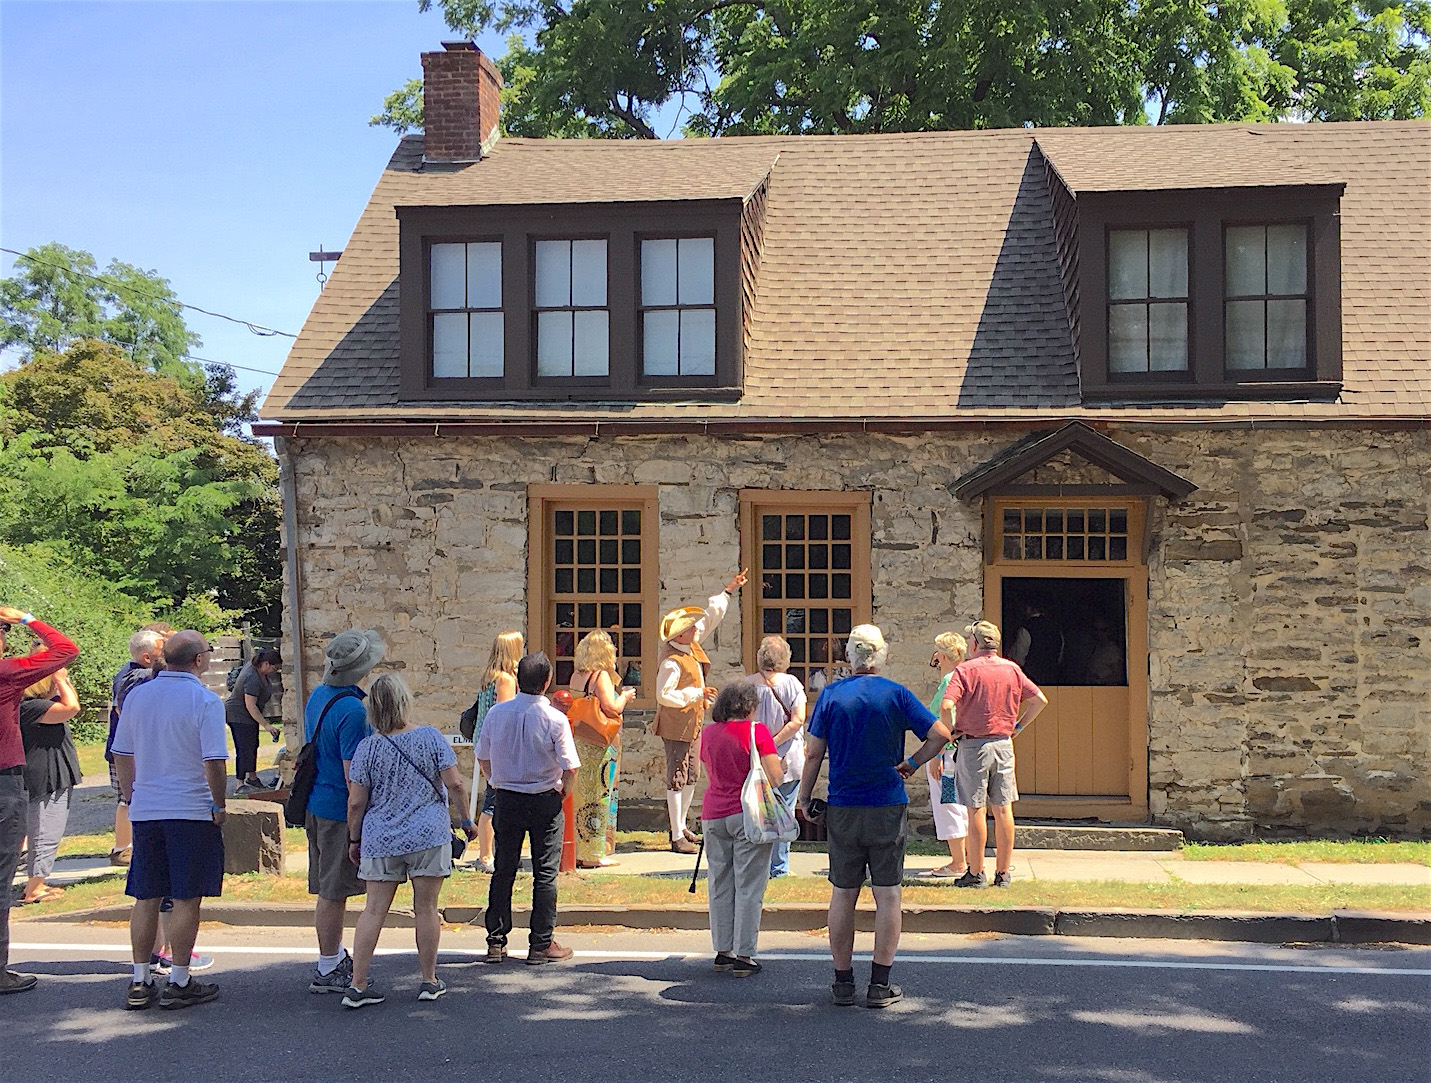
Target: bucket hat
[[351, 655]]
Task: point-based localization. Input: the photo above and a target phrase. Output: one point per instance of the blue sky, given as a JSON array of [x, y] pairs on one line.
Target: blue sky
[[215, 143]]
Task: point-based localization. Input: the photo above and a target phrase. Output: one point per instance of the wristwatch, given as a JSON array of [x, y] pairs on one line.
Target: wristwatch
[[26, 618]]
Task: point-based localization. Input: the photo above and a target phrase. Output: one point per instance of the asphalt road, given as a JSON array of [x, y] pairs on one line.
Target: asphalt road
[[647, 1007]]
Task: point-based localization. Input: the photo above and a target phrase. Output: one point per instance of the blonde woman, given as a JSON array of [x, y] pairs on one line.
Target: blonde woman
[[951, 821], [399, 827], [499, 684], [595, 676]]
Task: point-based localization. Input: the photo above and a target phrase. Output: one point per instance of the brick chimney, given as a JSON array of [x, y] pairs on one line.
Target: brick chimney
[[461, 99]]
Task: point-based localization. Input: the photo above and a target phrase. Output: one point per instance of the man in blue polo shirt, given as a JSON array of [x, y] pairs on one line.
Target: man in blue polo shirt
[[338, 704], [860, 723]]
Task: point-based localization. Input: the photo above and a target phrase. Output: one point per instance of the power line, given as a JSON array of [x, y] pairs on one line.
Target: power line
[[256, 328], [230, 364]]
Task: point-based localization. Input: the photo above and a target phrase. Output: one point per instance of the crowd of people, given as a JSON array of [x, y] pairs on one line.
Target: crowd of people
[[377, 802]]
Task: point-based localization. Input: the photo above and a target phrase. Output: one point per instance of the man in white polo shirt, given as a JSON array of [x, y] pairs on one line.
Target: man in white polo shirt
[[171, 756], [527, 752]]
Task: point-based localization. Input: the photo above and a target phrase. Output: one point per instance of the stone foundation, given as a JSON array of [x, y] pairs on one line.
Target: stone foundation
[[1289, 596]]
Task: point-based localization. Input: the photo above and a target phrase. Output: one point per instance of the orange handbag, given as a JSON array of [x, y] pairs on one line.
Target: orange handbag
[[590, 723]]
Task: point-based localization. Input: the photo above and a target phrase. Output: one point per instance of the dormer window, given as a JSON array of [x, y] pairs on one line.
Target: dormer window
[[465, 309], [573, 327], [678, 315], [1266, 306], [1148, 300]]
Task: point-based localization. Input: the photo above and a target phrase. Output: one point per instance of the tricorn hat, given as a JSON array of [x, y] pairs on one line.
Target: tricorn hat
[[678, 620]]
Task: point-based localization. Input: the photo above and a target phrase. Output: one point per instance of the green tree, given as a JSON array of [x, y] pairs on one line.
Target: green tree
[[606, 67]]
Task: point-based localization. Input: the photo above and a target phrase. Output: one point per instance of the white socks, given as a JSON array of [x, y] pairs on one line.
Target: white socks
[[688, 795], [178, 975], [329, 963], [675, 813], [141, 973]]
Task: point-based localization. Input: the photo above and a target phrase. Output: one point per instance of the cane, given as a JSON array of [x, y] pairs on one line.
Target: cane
[[697, 870]]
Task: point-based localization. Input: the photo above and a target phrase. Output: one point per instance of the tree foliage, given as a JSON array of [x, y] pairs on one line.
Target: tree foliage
[[606, 67]]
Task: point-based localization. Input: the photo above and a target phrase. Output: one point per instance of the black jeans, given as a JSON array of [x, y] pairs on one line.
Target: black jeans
[[245, 748], [518, 815], [14, 808]]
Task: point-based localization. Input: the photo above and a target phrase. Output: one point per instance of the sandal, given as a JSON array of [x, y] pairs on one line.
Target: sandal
[[49, 894]]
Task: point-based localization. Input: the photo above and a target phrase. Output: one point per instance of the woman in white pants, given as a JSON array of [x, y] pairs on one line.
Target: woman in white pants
[[951, 820]]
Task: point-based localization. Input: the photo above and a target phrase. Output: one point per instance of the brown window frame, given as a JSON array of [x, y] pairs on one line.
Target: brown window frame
[[1208, 213], [518, 227], [1153, 375], [753, 503], [554, 382], [542, 502], [1307, 297], [642, 308], [467, 310]]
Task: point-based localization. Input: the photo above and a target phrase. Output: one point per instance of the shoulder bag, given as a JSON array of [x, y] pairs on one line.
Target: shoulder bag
[[767, 815], [459, 843], [794, 759], [589, 722], [470, 724], [305, 770]]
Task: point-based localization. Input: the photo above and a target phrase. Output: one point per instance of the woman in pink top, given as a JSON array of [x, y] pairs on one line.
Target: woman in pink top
[[738, 869]]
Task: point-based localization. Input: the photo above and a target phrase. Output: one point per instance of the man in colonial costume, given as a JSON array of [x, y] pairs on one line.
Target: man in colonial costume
[[682, 696]]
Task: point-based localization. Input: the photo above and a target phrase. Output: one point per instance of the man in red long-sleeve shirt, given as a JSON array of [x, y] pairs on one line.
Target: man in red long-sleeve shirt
[[16, 675]]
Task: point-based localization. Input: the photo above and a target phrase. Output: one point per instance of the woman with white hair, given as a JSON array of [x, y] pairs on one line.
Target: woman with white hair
[[951, 819], [781, 710], [399, 827]]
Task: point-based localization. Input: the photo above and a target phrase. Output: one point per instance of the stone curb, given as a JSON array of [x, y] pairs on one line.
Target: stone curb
[[1342, 926]]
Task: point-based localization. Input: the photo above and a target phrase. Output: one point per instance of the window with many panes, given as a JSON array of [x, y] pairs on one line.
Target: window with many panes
[[1266, 296], [593, 566], [809, 557], [1147, 300], [465, 309], [1092, 531], [573, 336], [678, 315]]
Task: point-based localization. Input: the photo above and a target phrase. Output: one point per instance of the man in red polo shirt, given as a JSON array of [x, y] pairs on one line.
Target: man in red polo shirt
[[16, 675], [995, 700]]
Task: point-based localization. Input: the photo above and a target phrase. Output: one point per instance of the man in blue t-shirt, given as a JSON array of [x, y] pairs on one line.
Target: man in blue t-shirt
[[860, 723], [338, 703]]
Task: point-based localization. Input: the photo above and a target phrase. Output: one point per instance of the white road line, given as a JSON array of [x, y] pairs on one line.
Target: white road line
[[122, 950]]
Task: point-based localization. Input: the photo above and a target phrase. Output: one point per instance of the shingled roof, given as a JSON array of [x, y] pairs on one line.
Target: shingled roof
[[904, 278]]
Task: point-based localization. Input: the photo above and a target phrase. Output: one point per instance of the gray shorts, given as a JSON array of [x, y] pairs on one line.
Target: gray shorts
[[330, 874], [868, 837], [434, 861], [984, 771]]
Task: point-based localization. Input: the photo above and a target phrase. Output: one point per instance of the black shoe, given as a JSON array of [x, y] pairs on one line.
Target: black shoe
[[744, 968], [842, 993], [186, 996], [142, 995], [971, 879], [1002, 879], [724, 961], [360, 998], [882, 996]]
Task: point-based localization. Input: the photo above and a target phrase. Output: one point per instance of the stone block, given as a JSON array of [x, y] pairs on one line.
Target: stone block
[[1175, 925], [253, 838]]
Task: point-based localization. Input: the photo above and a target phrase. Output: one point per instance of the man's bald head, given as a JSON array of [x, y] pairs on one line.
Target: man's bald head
[[182, 650]]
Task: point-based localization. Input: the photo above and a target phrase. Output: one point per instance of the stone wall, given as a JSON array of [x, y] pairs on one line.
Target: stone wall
[[1289, 602]]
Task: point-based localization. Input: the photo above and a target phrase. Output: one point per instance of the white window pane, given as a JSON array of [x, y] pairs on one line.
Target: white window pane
[[449, 344], [660, 332], [588, 273], [553, 343], [658, 272], [1246, 261], [1168, 338], [1286, 334], [1128, 263], [697, 270], [484, 351], [448, 275], [1286, 259], [698, 342], [593, 344], [484, 275], [553, 274], [1244, 335], [1128, 338], [1168, 263]]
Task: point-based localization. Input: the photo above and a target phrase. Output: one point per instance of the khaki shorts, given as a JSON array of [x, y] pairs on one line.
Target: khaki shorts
[[330, 874], [984, 771], [683, 763], [869, 837], [434, 861]]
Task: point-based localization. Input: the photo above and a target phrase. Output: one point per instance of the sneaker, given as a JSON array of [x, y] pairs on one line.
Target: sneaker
[[1003, 879], [11, 982], [484, 866], [882, 996], [552, 953], [723, 961], [971, 879], [496, 953], [842, 993], [744, 968], [164, 962], [186, 996], [142, 995], [431, 990], [360, 998], [335, 981]]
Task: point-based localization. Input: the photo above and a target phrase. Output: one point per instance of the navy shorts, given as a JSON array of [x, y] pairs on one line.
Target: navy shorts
[[489, 801], [181, 859]]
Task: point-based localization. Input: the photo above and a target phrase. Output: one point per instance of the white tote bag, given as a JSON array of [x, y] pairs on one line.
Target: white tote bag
[[767, 815]]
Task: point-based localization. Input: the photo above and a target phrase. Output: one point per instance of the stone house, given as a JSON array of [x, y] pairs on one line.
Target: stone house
[[1168, 387]]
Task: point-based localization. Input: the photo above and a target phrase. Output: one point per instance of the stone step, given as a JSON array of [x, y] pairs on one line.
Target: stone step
[[1133, 837]]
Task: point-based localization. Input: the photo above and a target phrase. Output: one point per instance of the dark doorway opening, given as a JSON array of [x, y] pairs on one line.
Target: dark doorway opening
[[1067, 631]]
